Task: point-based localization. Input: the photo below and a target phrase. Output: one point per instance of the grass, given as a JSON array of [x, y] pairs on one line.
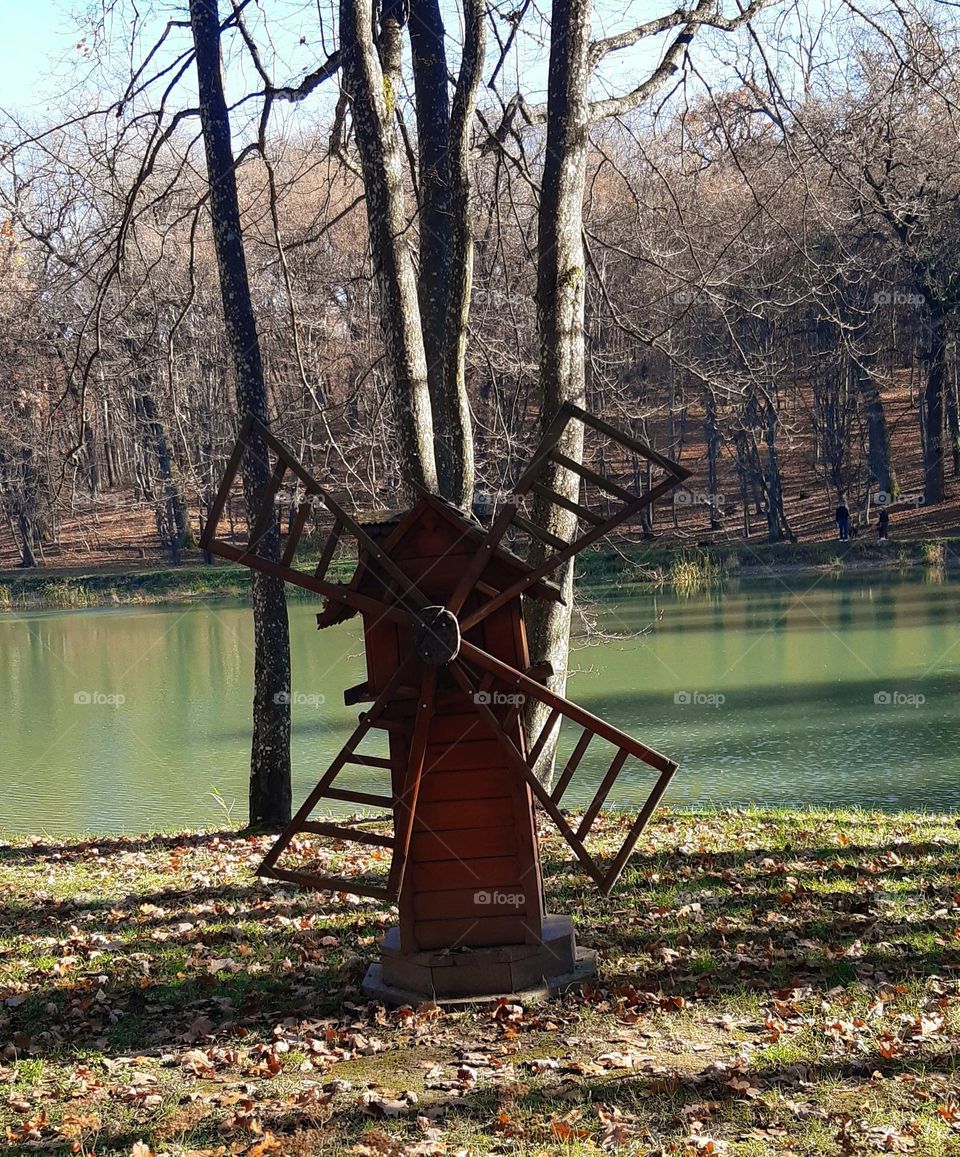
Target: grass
[[770, 983], [686, 568], [693, 570], [21, 590]]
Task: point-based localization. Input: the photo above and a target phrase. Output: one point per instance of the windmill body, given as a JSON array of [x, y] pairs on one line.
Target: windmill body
[[448, 676]]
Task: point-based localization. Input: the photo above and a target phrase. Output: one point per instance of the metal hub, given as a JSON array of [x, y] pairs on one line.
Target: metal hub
[[436, 637]]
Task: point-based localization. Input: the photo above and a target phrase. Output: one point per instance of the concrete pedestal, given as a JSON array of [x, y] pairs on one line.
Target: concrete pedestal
[[538, 969]]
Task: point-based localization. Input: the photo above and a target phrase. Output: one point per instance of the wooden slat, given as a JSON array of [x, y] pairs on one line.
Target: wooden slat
[[620, 859], [371, 761], [376, 552], [543, 738], [551, 437], [553, 561], [481, 559], [267, 513], [634, 444], [348, 835], [441, 875], [603, 791], [581, 512], [572, 764], [539, 533], [469, 932], [233, 464], [329, 547], [455, 815], [476, 784], [367, 720], [334, 591], [366, 798], [599, 480], [293, 538], [463, 903], [566, 707], [480, 843]]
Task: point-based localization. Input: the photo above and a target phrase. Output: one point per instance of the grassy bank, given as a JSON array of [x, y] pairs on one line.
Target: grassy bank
[[645, 564], [41, 589], [671, 564], [770, 983]]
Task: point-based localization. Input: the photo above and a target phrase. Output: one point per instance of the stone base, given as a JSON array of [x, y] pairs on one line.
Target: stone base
[[529, 970]]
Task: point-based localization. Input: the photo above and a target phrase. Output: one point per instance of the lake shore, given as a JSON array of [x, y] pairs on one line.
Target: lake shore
[[769, 981], [648, 566]]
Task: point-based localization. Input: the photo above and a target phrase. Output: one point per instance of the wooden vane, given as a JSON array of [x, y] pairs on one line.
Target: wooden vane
[[448, 678]]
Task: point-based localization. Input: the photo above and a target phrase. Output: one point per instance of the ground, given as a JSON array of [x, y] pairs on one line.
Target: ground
[[770, 983]]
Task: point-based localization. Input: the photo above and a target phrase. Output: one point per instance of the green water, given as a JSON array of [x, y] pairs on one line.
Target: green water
[[798, 663]]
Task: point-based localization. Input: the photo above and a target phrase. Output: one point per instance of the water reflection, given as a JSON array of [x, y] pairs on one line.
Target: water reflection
[[799, 671]]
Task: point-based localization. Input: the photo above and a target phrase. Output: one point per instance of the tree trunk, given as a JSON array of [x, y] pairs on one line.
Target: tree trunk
[[953, 413], [172, 502], [27, 557], [712, 432], [560, 317], [371, 90], [456, 405], [270, 787], [878, 436], [933, 472]]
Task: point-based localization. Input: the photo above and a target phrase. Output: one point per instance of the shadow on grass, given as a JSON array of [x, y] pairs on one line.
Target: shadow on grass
[[100, 975], [110, 845]]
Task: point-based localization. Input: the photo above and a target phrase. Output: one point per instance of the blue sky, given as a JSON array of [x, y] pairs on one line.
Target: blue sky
[[42, 67], [34, 35]]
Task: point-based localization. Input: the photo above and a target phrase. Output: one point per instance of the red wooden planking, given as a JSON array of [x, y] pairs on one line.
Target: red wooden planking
[[466, 845], [439, 876], [457, 726], [482, 900], [459, 815], [470, 932], [484, 783], [470, 753]]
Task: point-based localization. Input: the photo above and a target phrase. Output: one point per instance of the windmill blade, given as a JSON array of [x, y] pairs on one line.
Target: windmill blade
[[625, 745], [629, 503], [285, 462], [375, 718]]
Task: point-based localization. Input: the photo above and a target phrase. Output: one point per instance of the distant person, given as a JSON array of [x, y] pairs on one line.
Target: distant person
[[842, 515], [883, 523]]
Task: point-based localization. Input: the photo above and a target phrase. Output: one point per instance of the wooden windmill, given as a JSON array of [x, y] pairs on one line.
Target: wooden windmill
[[448, 675]]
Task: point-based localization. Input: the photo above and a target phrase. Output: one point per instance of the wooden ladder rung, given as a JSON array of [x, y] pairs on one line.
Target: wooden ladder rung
[[293, 539], [545, 732], [370, 761], [538, 532], [592, 476], [350, 835], [398, 726], [362, 797], [572, 764], [329, 548], [616, 435], [573, 507], [602, 792], [266, 510]]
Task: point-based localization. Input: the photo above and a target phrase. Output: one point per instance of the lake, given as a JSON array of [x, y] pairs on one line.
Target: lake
[[807, 690]]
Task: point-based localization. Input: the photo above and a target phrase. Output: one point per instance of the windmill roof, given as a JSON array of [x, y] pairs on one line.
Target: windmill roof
[[381, 524]]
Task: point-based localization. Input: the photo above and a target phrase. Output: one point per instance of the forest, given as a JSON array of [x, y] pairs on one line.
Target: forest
[[770, 274]]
